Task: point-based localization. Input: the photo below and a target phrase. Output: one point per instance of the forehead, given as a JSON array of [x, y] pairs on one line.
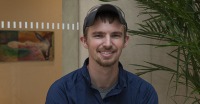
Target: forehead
[[106, 26]]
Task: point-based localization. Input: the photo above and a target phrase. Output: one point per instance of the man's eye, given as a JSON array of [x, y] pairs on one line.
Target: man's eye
[[116, 36], [98, 36]]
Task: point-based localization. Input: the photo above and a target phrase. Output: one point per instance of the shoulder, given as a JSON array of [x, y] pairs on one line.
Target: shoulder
[[138, 84], [61, 88], [132, 80], [68, 80], [66, 87], [143, 89], [65, 83]]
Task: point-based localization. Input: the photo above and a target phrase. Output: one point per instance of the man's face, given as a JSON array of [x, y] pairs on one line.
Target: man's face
[[105, 42]]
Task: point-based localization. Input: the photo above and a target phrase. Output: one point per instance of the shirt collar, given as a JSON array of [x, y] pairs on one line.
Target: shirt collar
[[121, 79], [85, 73]]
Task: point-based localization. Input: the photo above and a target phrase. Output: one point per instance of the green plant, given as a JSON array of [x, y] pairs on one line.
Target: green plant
[[178, 23]]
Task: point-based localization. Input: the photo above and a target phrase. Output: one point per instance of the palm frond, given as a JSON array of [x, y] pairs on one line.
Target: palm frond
[[178, 23]]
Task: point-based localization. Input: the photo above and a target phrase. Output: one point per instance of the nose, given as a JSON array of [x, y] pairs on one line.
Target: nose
[[107, 42]]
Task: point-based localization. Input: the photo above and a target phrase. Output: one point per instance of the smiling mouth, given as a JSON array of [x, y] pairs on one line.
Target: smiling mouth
[[107, 54]]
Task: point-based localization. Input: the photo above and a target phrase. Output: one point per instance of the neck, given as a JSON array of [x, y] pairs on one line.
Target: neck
[[103, 77]]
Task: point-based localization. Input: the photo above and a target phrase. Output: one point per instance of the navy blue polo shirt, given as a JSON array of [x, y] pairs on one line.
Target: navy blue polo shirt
[[76, 88]]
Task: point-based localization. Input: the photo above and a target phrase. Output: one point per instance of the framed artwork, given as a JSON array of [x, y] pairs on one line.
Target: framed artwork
[[26, 46]]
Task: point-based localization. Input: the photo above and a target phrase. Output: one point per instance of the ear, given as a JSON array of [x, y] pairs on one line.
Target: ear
[[126, 40], [84, 41], [39, 36]]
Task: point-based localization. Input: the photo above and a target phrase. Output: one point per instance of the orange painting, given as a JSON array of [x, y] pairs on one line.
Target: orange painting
[[26, 46]]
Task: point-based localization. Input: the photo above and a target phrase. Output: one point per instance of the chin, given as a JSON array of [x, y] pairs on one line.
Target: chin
[[106, 63]]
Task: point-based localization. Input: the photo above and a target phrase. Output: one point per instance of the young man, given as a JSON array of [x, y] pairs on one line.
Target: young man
[[102, 79]]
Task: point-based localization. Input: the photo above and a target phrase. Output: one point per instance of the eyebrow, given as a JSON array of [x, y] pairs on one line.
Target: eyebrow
[[98, 32], [120, 33]]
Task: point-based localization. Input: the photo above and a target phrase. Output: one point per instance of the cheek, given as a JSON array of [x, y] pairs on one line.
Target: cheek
[[94, 43], [119, 44]]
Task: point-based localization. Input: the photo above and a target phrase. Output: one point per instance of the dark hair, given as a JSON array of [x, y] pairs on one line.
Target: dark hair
[[104, 12], [104, 17]]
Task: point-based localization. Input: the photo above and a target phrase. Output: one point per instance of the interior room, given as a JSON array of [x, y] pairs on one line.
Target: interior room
[[27, 81]]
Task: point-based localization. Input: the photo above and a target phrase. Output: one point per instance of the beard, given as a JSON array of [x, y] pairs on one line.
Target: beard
[[105, 63]]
